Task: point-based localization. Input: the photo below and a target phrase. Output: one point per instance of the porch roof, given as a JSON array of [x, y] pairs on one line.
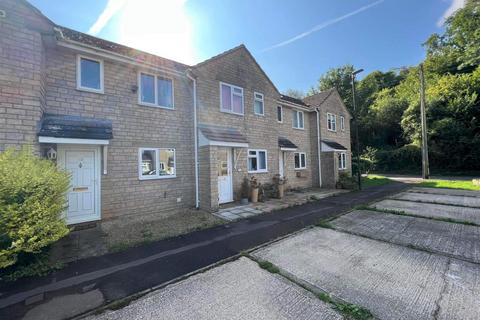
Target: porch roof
[[66, 126], [222, 136], [286, 144], [328, 145]]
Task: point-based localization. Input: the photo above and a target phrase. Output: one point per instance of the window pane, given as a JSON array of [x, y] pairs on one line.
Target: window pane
[[226, 96], [167, 162], [300, 118], [279, 114], [237, 104], [258, 107], [149, 163], [262, 161], [90, 73], [303, 161], [297, 160], [147, 88], [295, 119], [165, 92], [252, 164]]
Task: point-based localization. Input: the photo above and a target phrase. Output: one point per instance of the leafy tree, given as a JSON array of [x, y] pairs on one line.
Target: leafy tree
[[294, 93]]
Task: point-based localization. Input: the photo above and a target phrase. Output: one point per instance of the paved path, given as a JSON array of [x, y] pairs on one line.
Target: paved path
[[392, 281], [236, 290], [439, 199], [450, 192], [119, 275], [452, 239]]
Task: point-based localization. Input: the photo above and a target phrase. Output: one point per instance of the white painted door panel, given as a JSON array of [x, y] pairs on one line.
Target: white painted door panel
[[225, 187]]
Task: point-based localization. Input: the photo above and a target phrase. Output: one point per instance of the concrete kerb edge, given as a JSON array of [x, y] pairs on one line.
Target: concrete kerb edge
[[433, 202]]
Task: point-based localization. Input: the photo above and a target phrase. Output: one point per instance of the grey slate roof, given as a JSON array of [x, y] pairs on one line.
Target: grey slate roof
[[285, 143], [222, 134], [292, 100], [317, 99], [63, 126], [334, 145]]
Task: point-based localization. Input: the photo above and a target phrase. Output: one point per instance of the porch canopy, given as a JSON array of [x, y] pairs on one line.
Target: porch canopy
[[328, 146], [222, 136], [56, 128], [286, 145]]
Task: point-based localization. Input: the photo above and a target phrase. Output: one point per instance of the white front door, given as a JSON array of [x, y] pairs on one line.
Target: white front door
[[224, 163], [280, 164], [83, 164]]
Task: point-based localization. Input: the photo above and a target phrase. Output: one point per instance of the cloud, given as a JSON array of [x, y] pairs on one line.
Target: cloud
[[323, 25], [160, 27], [454, 6]]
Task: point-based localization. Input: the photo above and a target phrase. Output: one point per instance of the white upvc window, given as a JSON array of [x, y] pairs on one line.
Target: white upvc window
[[89, 74], [258, 104], [155, 91], [297, 121], [257, 161], [300, 159], [156, 163], [231, 98], [342, 123], [331, 122], [280, 114], [342, 161]]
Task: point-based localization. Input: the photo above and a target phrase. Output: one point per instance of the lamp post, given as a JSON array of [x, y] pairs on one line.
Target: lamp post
[[355, 117]]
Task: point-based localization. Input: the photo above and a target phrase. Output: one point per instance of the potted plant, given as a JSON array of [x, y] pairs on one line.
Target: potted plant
[[244, 191], [279, 183], [254, 186]]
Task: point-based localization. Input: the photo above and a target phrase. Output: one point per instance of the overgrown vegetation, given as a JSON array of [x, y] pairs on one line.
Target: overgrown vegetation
[[270, 267], [29, 265], [374, 181], [347, 181], [450, 184], [348, 310], [388, 103], [32, 200]]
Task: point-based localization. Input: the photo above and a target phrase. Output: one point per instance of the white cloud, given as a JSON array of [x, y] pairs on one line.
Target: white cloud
[[454, 6], [160, 27], [322, 26]]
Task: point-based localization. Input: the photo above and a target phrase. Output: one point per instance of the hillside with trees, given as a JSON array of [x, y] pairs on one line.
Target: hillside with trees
[[389, 103]]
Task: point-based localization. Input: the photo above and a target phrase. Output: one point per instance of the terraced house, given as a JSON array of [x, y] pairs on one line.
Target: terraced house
[[144, 135]]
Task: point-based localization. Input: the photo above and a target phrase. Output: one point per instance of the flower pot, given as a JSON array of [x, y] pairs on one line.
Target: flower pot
[[254, 195], [281, 191]]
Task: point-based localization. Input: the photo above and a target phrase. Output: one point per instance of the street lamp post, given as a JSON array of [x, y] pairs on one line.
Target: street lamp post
[[355, 117]]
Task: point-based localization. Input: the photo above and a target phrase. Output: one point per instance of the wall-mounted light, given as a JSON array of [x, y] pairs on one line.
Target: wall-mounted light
[[3, 14], [134, 88], [51, 154]]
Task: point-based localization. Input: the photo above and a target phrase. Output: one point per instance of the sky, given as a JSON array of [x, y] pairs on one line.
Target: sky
[[294, 41]]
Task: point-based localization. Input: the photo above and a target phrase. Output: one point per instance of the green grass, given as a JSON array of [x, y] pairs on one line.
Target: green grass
[[374, 181], [450, 184], [270, 267]]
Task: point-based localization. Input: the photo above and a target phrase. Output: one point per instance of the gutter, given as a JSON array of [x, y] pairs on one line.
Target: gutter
[[195, 135], [319, 146]]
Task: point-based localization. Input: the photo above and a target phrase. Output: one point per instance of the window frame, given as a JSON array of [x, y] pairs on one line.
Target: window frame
[[232, 87], [342, 123], [79, 74], [330, 123], [342, 160], [281, 113], [257, 157], [155, 88], [300, 154], [298, 118], [263, 103], [157, 164]]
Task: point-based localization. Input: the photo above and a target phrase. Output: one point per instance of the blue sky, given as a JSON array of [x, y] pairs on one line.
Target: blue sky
[[294, 41]]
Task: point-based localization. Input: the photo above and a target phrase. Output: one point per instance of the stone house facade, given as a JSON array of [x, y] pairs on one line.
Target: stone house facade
[[143, 135]]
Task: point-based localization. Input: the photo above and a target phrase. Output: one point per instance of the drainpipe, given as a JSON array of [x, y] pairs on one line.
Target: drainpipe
[[319, 146], [197, 200]]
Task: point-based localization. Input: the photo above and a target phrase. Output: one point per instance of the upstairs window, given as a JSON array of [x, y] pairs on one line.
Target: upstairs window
[[342, 123], [280, 114], [257, 161], [258, 105], [231, 98], [156, 163], [300, 160], [342, 161], [331, 122], [297, 119], [89, 74], [155, 91]]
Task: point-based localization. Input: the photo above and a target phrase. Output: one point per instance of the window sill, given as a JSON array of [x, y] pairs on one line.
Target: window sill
[[298, 128], [100, 91], [151, 105], [259, 114], [330, 130], [263, 171], [300, 169], [234, 113], [156, 178]]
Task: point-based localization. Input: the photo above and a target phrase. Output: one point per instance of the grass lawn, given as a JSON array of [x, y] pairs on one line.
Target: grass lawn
[[451, 184], [373, 180]]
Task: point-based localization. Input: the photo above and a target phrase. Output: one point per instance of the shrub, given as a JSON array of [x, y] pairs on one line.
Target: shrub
[[408, 157], [346, 181], [32, 200]]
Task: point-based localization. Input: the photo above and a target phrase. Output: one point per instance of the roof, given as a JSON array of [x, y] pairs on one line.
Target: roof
[[285, 143], [65, 126], [334, 145], [141, 56], [292, 100], [317, 99], [222, 134]]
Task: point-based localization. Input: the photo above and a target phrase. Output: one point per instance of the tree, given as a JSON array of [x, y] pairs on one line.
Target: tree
[[294, 93]]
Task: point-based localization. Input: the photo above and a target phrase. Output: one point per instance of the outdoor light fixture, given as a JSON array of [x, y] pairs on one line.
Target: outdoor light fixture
[[359, 173], [51, 154]]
